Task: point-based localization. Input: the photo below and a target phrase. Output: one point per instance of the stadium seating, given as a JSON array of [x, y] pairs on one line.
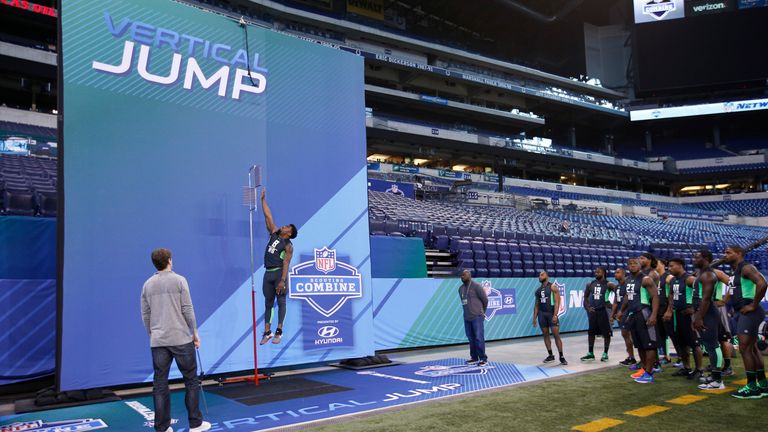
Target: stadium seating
[[27, 186], [505, 242], [748, 207]]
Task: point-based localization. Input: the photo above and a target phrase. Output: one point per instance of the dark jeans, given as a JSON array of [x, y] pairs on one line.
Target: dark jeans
[[475, 331], [187, 364]]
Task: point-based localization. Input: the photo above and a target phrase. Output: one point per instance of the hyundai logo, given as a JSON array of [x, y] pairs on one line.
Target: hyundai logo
[[328, 331]]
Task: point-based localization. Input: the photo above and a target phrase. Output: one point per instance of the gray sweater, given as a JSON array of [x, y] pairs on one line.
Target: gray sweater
[[477, 301], [166, 308]]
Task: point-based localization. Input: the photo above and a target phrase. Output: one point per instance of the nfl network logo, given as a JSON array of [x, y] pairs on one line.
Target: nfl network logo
[[325, 260], [561, 288], [729, 107], [659, 8]]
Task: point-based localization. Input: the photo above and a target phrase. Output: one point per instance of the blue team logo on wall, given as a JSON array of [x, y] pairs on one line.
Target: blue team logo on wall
[[500, 302], [325, 283]]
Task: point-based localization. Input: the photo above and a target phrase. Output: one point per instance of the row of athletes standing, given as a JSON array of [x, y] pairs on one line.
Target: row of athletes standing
[[654, 300]]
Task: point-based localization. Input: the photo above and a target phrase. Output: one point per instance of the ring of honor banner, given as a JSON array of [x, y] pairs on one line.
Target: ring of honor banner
[[165, 112], [423, 312]]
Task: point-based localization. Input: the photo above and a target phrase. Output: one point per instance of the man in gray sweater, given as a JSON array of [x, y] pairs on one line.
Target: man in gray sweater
[[475, 302], [169, 318]]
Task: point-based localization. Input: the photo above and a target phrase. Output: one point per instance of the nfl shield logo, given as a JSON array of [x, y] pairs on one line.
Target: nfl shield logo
[[325, 260], [563, 299]]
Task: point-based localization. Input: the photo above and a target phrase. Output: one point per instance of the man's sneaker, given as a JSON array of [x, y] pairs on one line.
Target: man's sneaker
[[645, 378], [604, 357], [628, 361], [684, 372], [265, 337], [471, 362], [563, 362], [656, 368], [727, 372], [678, 365], [482, 363], [549, 359], [278, 336], [588, 357], [712, 385], [636, 366], [694, 375], [664, 360], [704, 379], [747, 392], [204, 426], [638, 374]]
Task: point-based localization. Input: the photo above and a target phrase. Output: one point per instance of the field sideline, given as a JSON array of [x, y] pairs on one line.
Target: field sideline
[[561, 404]]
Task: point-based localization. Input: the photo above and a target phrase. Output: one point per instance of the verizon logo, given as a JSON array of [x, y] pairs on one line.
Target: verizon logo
[[709, 7]]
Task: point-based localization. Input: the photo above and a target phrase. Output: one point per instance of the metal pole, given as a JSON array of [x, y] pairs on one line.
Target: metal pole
[[251, 209]]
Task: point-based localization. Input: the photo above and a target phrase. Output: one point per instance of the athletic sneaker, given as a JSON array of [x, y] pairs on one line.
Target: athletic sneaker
[[763, 390], [747, 392], [549, 359], [705, 379], [265, 337], [645, 378], [204, 426], [678, 365], [482, 363], [695, 375], [588, 357], [638, 374], [636, 366], [727, 372], [628, 361], [604, 357], [712, 385], [684, 372], [563, 362], [664, 360], [656, 368], [278, 336], [471, 362]]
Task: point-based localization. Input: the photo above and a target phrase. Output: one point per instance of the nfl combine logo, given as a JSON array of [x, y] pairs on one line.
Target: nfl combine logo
[[325, 260], [659, 8]]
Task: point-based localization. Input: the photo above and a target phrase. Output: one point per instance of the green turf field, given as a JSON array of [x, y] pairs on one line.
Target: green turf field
[[564, 403]]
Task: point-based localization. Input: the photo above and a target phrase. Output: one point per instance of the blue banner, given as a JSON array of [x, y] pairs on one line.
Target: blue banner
[[408, 169], [433, 99], [187, 111], [426, 312], [454, 174], [714, 217], [396, 188]]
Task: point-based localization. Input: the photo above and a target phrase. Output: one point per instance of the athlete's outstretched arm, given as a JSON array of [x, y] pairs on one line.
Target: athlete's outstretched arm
[[267, 213]]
